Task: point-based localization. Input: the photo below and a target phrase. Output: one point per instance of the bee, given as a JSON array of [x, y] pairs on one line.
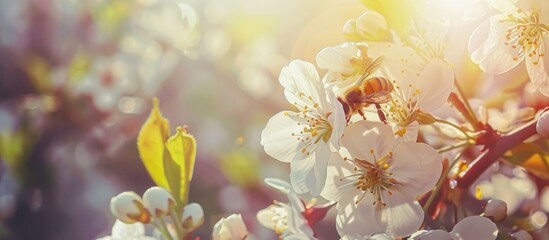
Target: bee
[[367, 90]]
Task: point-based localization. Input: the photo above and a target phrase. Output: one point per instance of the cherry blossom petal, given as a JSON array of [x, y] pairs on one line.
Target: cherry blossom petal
[[338, 122], [337, 169], [265, 218], [401, 216], [298, 224], [361, 137], [416, 165], [277, 138], [411, 131], [400, 63], [477, 10], [356, 221], [281, 185], [231, 227], [298, 237], [475, 227], [477, 40], [435, 84], [538, 69], [300, 79], [121, 230], [494, 56], [309, 174], [336, 59], [380, 237], [287, 189], [431, 235], [504, 6]]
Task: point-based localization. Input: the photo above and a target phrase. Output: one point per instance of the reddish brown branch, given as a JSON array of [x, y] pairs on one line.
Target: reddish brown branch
[[501, 145]]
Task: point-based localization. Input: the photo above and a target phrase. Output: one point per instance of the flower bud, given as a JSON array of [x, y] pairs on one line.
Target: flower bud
[[543, 125], [522, 235], [372, 26], [193, 216], [128, 207], [349, 31], [496, 210], [158, 201], [229, 228]]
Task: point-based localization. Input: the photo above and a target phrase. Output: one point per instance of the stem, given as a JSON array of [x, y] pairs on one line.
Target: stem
[[452, 147], [462, 108], [177, 223], [454, 126], [163, 229], [467, 105], [441, 181], [502, 144]]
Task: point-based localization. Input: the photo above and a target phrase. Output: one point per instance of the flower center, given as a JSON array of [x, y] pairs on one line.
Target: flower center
[[372, 178], [315, 125], [280, 217], [403, 104], [359, 64], [425, 48], [526, 35]]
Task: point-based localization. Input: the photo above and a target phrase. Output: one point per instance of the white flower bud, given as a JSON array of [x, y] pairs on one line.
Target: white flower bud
[[543, 125], [128, 207], [522, 235], [230, 228], [158, 201], [193, 216], [496, 210], [349, 30], [371, 25]]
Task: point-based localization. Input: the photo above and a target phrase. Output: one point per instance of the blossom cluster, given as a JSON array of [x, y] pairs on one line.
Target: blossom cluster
[[361, 134]]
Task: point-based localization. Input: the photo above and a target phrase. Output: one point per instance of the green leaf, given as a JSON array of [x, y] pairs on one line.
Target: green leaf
[[179, 168], [531, 157], [150, 144]]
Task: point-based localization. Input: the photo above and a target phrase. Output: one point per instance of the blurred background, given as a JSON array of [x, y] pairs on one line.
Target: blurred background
[[76, 82]]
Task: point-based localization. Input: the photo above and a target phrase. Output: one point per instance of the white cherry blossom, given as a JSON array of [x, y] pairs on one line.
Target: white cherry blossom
[[469, 228], [230, 228], [308, 137], [377, 181], [515, 35], [422, 78], [124, 231], [286, 219]]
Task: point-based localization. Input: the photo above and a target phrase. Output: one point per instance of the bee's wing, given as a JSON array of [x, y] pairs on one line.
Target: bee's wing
[[377, 97], [370, 69]]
